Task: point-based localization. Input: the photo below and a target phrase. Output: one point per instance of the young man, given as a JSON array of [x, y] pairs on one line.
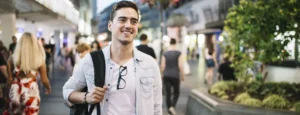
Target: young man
[[132, 82], [144, 46]]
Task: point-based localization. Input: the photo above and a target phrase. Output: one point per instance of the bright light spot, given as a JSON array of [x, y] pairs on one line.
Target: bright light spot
[[277, 27], [69, 3], [296, 25], [0, 32], [221, 38], [166, 38], [292, 33], [101, 37], [90, 39], [61, 35], [201, 40], [186, 40], [18, 36], [136, 42], [52, 41]]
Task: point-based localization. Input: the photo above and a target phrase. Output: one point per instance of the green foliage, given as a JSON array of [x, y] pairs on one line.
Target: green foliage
[[252, 102], [276, 95], [253, 25], [219, 88], [243, 96], [227, 89], [253, 87], [276, 102], [297, 106]]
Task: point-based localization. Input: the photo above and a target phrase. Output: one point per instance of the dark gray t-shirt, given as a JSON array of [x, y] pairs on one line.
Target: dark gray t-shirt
[[172, 69]]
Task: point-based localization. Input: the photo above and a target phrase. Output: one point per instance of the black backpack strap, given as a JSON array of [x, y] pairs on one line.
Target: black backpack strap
[[99, 77]]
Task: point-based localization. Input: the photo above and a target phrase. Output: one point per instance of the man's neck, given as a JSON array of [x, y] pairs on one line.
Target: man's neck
[[144, 43], [172, 47], [120, 54]]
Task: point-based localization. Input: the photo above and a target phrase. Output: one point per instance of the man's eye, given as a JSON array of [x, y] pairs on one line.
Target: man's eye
[[122, 20], [134, 22]]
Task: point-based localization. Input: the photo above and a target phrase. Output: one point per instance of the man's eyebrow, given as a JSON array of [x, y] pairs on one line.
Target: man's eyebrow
[[123, 17]]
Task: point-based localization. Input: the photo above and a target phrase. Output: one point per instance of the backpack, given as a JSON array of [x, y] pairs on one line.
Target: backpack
[[99, 76]]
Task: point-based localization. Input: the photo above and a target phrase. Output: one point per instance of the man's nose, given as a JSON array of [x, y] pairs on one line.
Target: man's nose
[[128, 24]]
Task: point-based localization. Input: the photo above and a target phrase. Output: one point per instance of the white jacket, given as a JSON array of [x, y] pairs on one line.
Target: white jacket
[[148, 82]]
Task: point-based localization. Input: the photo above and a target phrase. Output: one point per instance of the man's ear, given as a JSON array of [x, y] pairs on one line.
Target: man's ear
[[109, 25]]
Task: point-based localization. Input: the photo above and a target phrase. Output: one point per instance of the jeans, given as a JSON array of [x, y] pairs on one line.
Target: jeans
[[172, 97]]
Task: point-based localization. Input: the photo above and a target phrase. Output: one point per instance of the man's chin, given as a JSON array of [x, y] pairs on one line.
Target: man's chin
[[125, 42]]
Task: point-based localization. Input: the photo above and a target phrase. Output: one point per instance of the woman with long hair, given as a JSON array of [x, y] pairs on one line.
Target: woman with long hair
[[211, 63], [27, 61]]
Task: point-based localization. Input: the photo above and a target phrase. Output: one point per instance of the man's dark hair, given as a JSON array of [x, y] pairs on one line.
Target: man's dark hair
[[122, 4], [143, 37], [173, 41], [43, 39], [226, 59], [14, 37]]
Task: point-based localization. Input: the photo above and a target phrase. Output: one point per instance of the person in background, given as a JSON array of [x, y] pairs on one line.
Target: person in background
[[95, 46], [12, 46], [225, 71], [3, 51], [211, 63], [48, 55], [3, 83], [262, 73], [173, 72], [82, 49], [144, 46], [26, 63]]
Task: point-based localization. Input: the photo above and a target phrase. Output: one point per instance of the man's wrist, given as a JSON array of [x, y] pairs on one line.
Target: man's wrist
[[85, 98]]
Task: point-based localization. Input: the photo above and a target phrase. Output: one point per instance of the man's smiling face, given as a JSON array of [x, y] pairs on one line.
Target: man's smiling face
[[124, 26]]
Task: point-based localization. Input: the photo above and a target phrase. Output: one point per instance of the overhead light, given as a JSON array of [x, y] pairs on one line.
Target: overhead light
[[221, 38], [166, 38]]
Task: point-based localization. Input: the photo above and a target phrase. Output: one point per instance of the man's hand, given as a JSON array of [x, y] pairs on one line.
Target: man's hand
[[96, 95]]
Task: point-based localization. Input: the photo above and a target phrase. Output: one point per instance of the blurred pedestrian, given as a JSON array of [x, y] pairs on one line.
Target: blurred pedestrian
[[82, 49], [48, 55], [262, 73], [95, 46], [173, 72], [225, 71], [12, 46], [144, 46], [211, 63], [27, 61], [3, 83], [3, 51]]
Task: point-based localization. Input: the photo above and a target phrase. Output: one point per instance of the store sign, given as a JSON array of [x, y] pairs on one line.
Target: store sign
[[62, 7]]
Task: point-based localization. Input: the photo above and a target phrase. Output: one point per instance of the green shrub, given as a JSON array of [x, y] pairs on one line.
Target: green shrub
[[275, 102], [252, 102], [297, 106], [219, 88], [241, 97]]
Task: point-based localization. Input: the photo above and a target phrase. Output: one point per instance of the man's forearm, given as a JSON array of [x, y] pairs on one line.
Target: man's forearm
[[77, 97]]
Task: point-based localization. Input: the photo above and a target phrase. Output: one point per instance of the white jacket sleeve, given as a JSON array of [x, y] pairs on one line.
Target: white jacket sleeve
[[157, 91], [77, 81]]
